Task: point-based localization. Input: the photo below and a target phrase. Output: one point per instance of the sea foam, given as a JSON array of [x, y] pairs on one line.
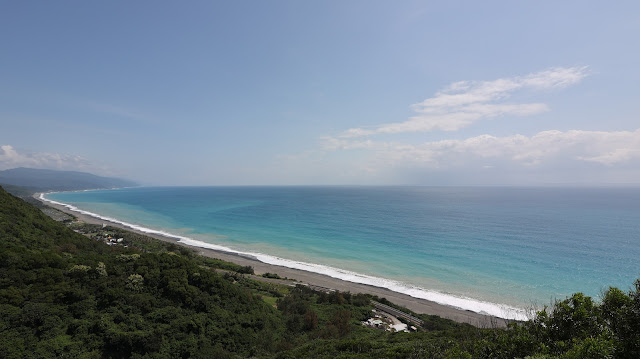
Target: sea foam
[[459, 302]]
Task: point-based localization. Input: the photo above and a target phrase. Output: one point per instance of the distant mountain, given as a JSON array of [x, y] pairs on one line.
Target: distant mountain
[[52, 180]]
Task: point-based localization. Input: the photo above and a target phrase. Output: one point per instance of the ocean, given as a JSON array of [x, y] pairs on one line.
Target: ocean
[[495, 250]]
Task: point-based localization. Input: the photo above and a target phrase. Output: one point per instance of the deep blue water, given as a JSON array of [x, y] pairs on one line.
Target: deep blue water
[[513, 246]]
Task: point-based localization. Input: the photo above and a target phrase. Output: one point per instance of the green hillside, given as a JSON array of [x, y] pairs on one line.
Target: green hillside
[[63, 294]]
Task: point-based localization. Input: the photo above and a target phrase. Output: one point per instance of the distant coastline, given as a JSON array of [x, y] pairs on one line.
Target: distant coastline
[[261, 264]]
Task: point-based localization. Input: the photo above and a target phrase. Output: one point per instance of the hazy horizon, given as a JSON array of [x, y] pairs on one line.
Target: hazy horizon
[[426, 93]]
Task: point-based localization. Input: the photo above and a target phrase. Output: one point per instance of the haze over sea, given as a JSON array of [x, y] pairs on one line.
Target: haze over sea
[[496, 250]]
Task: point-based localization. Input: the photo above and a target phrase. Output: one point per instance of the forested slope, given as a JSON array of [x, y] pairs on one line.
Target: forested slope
[[63, 294]]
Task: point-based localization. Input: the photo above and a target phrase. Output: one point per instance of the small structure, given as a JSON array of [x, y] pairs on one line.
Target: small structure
[[385, 321]]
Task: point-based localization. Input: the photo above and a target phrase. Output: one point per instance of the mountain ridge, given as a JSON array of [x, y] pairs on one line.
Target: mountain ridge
[[54, 180]]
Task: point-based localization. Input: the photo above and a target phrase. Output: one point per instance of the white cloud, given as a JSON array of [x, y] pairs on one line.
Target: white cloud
[[11, 158], [615, 156], [463, 103], [606, 148], [553, 156], [331, 143]]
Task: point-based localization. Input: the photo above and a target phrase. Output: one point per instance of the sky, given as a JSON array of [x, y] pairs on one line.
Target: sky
[[324, 92]]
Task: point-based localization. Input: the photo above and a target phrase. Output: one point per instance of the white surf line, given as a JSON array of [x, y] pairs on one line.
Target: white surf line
[[459, 302]]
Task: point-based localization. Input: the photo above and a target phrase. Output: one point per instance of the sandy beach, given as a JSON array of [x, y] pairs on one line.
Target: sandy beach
[[415, 304]]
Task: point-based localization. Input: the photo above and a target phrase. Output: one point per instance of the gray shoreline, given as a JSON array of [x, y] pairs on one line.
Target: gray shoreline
[[415, 304]]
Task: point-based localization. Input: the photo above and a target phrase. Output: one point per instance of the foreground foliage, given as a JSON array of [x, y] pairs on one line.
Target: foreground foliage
[[63, 294]]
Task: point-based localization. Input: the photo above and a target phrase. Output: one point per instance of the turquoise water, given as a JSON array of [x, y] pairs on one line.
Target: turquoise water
[[493, 250]]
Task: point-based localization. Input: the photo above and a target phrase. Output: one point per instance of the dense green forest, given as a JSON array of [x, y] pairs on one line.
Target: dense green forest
[[65, 294]]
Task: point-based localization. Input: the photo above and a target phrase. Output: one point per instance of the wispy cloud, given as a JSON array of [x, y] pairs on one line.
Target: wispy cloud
[[117, 111], [606, 148], [11, 158], [463, 103]]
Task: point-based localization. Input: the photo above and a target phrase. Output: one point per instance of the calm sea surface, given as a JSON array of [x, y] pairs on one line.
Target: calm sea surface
[[493, 250]]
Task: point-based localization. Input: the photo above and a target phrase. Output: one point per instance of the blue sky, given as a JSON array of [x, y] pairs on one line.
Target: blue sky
[[326, 92]]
